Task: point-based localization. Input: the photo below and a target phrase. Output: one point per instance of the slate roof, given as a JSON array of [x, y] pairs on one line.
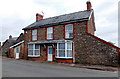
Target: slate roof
[[10, 41], [72, 17]]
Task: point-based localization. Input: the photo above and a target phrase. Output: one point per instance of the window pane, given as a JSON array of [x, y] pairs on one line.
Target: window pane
[[17, 50], [30, 52], [36, 52], [49, 30], [69, 27], [49, 36], [36, 46], [69, 53], [70, 34], [69, 45], [30, 46], [61, 45], [34, 37], [34, 32], [61, 53], [67, 34], [50, 51]]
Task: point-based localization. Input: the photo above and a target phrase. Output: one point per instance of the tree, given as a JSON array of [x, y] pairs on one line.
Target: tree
[[111, 42]]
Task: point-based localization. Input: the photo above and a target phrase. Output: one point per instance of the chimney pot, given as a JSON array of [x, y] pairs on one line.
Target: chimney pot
[[38, 16], [10, 36], [89, 6]]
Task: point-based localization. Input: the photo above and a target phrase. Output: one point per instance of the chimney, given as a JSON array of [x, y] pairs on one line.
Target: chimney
[[89, 6], [10, 36], [38, 16]]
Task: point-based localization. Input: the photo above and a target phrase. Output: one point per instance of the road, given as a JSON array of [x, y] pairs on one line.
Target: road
[[25, 68]]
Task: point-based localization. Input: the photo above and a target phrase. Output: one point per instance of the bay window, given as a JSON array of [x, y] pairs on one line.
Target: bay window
[[68, 31], [33, 50], [50, 33], [34, 34], [64, 50]]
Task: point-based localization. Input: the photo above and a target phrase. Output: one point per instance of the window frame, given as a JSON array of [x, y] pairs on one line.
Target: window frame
[[57, 53], [70, 31], [33, 50], [49, 33], [34, 34]]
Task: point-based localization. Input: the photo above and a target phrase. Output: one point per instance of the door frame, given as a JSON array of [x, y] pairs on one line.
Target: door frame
[[48, 53], [17, 52]]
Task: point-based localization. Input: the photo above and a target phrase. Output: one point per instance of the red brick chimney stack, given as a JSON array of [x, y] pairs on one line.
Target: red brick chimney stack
[[38, 16], [89, 6]]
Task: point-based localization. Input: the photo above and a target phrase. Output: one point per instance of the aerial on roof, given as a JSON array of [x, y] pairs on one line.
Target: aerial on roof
[[66, 18]]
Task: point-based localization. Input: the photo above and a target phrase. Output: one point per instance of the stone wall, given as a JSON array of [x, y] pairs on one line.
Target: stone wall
[[41, 34], [91, 50], [59, 32], [90, 27], [43, 53]]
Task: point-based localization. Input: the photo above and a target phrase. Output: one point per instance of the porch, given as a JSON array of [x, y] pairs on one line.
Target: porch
[[51, 50]]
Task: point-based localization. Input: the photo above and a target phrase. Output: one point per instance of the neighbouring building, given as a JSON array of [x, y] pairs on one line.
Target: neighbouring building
[[5, 46], [0, 49], [68, 38], [17, 49]]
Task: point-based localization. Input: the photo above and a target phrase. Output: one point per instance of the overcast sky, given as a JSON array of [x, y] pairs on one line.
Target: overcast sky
[[17, 14]]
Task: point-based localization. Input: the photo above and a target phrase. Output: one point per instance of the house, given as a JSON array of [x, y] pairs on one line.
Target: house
[[16, 50], [5, 46], [68, 38]]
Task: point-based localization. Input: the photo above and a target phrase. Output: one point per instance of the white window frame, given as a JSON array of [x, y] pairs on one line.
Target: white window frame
[[57, 55], [50, 33], [70, 31], [34, 34], [33, 51]]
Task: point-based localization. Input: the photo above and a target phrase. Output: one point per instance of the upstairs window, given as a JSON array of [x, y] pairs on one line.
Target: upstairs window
[[50, 33], [34, 34], [69, 31], [33, 50]]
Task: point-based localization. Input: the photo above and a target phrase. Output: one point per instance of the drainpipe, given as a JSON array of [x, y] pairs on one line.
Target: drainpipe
[[73, 54]]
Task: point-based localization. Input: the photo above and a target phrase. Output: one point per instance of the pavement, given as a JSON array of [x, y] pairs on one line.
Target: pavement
[[25, 68]]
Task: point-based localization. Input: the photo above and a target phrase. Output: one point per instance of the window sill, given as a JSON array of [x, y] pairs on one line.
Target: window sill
[[50, 39], [65, 57], [33, 56], [69, 38]]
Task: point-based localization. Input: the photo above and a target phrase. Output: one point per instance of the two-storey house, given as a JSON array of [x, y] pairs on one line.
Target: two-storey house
[[67, 38]]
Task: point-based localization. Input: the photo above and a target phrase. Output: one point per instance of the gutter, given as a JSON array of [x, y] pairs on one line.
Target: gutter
[[53, 24], [16, 44]]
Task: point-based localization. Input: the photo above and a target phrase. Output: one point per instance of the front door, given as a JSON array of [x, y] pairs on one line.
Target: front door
[[17, 51], [50, 57]]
